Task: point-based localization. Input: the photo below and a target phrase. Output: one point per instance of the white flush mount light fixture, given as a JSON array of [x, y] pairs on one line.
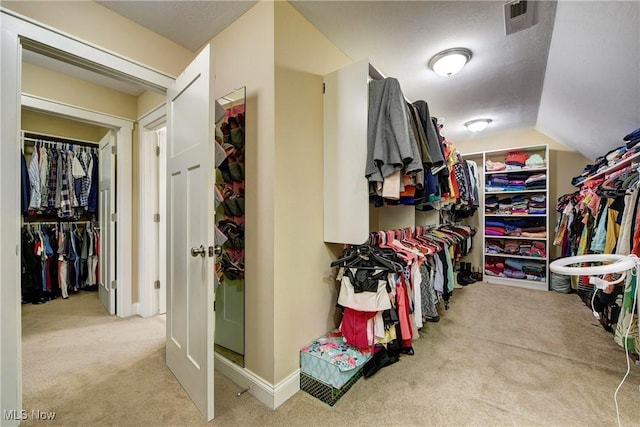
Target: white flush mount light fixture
[[450, 61], [477, 125]]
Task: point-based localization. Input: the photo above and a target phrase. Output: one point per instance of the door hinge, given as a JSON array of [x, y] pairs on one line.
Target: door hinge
[[156, 284], [114, 149], [156, 217], [157, 150], [214, 306], [324, 88], [114, 217], [114, 284]]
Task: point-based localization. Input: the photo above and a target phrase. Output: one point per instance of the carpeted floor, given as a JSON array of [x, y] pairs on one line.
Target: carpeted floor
[[499, 357]]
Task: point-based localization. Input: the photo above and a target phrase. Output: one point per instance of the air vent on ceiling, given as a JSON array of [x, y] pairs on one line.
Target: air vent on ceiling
[[518, 15]]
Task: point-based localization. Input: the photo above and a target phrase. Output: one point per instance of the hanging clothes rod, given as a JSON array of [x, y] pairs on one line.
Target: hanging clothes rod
[[30, 142], [35, 137], [57, 222]]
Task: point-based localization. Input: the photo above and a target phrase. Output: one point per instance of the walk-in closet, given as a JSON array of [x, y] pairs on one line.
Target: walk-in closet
[[328, 213], [60, 207], [60, 233]]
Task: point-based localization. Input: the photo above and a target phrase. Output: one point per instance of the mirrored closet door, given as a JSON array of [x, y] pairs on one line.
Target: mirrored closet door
[[230, 219]]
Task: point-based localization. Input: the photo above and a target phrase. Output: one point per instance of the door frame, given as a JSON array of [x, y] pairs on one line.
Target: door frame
[[123, 130], [147, 238], [18, 31]]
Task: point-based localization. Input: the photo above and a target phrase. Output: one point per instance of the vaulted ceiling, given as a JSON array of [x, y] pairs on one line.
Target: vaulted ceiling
[[574, 75]]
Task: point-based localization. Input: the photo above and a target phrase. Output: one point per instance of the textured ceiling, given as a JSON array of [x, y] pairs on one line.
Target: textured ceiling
[[503, 80], [583, 92], [591, 95], [189, 23]]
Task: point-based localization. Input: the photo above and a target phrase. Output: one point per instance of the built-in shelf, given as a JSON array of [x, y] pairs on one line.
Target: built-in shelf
[[532, 218], [540, 190], [520, 283], [487, 237], [537, 258], [517, 215], [620, 165], [540, 169]]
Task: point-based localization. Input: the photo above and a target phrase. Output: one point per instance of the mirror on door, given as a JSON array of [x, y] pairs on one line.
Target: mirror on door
[[230, 196]]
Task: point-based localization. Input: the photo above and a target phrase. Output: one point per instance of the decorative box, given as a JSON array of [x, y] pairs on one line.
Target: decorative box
[[329, 367]]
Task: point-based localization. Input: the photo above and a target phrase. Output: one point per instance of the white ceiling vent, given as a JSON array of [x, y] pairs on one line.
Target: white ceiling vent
[[518, 15]]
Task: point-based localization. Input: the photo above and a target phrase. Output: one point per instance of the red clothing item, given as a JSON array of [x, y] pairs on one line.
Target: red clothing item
[[517, 157], [354, 327], [636, 237], [48, 278], [402, 299]]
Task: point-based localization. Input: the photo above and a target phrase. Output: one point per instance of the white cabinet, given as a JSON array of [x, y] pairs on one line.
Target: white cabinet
[[513, 256], [348, 217]]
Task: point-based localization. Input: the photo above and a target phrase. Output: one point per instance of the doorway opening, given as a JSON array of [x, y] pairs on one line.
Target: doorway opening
[[190, 321], [79, 240]]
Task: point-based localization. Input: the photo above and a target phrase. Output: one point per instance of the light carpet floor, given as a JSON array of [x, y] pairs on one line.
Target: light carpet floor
[[500, 356]]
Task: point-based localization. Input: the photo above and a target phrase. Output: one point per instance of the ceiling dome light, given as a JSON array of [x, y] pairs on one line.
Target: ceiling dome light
[[450, 61], [478, 125]]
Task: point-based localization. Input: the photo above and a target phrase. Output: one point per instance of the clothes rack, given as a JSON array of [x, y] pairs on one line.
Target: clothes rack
[[36, 137], [61, 178], [393, 284], [58, 258]]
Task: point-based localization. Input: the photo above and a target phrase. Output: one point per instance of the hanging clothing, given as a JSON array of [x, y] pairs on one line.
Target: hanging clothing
[[25, 185], [59, 179], [388, 143]]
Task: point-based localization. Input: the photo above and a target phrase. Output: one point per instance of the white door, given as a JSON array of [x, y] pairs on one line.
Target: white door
[[190, 223], [106, 215]]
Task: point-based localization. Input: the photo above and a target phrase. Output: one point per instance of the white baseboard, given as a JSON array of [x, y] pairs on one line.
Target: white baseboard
[[271, 396], [136, 308], [286, 388]]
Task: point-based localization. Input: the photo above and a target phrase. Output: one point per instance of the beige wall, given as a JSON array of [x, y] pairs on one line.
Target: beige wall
[[100, 26], [148, 101], [64, 88], [56, 126], [564, 164], [305, 293], [244, 57]]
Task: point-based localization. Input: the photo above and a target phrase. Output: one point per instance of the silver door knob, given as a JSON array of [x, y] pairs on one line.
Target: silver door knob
[[218, 250], [198, 251]]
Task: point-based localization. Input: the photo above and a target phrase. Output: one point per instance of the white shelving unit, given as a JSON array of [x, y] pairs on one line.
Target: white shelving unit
[[500, 155]]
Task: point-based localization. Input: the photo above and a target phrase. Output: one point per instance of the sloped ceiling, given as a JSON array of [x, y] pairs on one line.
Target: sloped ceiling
[[574, 75], [591, 95], [188, 23]]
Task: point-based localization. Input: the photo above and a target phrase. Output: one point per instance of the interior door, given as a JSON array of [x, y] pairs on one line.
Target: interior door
[[190, 225], [106, 215]]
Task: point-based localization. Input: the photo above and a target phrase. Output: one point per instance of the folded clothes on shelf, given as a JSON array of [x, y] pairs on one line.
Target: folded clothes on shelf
[[612, 158]]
